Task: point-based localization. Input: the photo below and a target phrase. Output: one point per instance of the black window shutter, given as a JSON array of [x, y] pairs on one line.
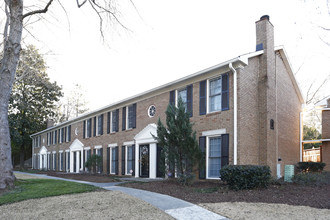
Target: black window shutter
[[224, 149], [55, 137], [65, 132], [47, 139], [202, 97], [102, 124], [58, 136], [69, 133], [133, 160], [202, 165], [108, 123], [190, 100], [124, 119], [134, 115], [90, 128], [55, 162], [108, 160], [94, 131], [94, 151], [117, 120], [225, 92], [123, 160], [84, 130], [101, 154], [172, 97], [116, 151]]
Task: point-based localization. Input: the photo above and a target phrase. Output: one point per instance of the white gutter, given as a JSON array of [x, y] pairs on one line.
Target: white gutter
[[235, 111]]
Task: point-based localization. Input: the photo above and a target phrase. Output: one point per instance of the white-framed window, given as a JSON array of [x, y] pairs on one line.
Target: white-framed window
[[213, 156], [60, 160], [88, 128], [130, 116], [113, 160], [182, 93], [214, 94], [129, 160], [114, 122], [99, 125], [54, 161]]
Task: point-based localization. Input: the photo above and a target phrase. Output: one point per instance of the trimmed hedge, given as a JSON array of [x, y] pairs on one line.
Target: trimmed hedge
[[310, 166], [245, 176]]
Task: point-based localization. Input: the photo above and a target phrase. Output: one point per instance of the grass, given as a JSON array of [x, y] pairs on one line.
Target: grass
[[40, 188], [207, 190]]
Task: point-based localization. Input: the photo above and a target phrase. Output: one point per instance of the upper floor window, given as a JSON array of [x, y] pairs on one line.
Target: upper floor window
[[186, 94], [214, 94], [129, 117], [87, 128], [98, 125], [183, 95], [115, 121]]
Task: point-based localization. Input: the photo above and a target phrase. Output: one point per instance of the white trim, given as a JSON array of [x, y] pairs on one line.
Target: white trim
[[54, 152], [235, 111], [113, 145], [110, 167], [214, 132], [98, 147], [126, 159], [87, 148], [48, 152], [67, 150], [61, 151], [207, 157], [128, 143]]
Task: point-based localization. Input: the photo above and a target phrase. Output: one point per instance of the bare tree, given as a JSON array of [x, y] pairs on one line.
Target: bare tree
[[16, 13]]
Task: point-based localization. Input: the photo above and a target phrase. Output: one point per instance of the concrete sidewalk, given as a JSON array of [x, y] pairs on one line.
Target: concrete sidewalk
[[177, 208]]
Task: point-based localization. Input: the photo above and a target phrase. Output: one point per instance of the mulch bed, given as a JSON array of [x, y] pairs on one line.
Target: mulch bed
[[97, 178], [215, 191]]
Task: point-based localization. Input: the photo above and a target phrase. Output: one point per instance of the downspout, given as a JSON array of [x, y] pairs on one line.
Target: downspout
[[235, 111], [301, 136]]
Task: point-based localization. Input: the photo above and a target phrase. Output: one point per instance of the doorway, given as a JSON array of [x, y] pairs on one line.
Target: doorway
[[144, 160]]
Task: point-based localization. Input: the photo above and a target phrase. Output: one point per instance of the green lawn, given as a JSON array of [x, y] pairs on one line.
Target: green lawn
[[39, 188]]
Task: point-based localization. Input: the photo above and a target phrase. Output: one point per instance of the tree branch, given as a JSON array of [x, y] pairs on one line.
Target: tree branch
[[41, 11], [81, 4]]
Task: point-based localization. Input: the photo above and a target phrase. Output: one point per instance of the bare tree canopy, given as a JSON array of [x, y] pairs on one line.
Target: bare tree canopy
[[16, 15]]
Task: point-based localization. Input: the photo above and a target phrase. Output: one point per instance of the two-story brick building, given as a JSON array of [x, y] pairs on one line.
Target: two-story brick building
[[245, 111]]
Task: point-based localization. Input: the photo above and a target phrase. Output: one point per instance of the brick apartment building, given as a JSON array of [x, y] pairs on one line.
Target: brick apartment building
[[245, 111]]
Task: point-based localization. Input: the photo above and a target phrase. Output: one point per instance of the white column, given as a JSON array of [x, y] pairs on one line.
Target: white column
[[77, 161], [71, 162], [82, 159], [152, 160], [137, 158]]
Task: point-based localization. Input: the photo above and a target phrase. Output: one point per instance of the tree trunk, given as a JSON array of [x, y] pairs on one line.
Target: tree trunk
[[12, 47]]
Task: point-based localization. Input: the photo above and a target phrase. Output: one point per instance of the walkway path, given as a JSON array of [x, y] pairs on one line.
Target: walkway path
[[177, 208]]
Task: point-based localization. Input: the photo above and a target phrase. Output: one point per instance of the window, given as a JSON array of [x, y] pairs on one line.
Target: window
[[215, 95], [129, 160], [183, 95], [129, 117], [99, 125], [186, 94], [214, 157], [68, 133], [114, 160], [55, 137], [114, 121], [87, 128]]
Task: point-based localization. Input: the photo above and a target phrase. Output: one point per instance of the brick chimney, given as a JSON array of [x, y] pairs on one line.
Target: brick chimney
[[50, 123], [328, 103], [268, 149]]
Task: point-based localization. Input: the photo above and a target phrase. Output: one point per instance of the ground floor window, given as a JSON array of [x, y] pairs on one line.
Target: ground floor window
[[214, 157], [129, 160], [114, 160]]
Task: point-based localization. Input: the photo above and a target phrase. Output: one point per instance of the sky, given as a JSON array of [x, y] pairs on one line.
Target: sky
[[171, 39]]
